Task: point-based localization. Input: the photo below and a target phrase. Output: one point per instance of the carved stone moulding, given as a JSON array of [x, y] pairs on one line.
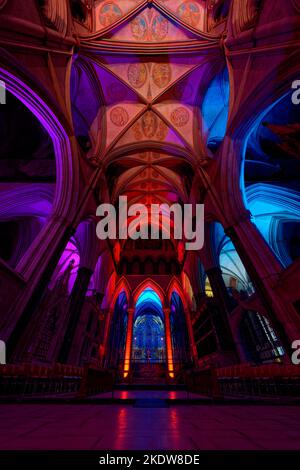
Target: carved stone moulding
[[245, 14], [56, 14], [296, 5], [217, 12], [2, 3]]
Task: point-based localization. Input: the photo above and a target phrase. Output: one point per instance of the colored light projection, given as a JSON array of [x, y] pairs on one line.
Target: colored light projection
[[272, 146], [187, 287], [215, 109], [109, 13], [150, 26], [276, 213], [148, 344], [84, 109], [234, 273], [67, 267], [190, 13], [25, 207], [272, 188]]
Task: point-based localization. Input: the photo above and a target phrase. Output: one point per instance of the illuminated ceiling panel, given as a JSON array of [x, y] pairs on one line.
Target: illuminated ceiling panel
[[151, 63], [150, 26], [191, 13], [109, 13]]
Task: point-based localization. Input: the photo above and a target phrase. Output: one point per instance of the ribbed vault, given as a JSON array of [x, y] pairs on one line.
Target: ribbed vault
[[153, 62]]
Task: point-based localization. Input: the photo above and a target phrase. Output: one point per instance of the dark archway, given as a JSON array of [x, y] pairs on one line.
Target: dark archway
[[118, 332], [148, 344]]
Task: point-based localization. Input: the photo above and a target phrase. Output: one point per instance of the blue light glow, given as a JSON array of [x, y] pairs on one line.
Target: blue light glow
[[148, 328], [148, 295], [273, 209], [215, 109]]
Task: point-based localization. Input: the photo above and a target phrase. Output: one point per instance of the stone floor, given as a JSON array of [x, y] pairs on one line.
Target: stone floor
[[128, 427], [150, 394]]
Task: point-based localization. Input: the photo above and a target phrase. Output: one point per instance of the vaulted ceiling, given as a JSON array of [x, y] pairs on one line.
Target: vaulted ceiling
[[151, 62]]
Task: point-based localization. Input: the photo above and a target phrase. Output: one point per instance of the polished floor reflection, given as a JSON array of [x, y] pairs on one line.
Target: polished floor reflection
[[194, 427], [149, 395]]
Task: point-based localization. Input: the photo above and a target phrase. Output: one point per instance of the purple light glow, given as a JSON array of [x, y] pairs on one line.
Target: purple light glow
[[70, 254]]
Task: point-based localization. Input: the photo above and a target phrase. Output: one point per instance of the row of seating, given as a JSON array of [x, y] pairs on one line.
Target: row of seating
[[33, 379], [268, 370], [201, 382], [40, 370], [273, 380]]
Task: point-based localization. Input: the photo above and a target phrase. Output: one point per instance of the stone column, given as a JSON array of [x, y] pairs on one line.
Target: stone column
[[169, 349], [193, 346], [264, 269], [76, 302], [128, 346], [221, 321], [108, 314], [218, 286], [101, 323], [81, 333], [15, 338]]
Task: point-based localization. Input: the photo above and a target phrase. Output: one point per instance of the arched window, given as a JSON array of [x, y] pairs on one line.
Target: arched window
[[208, 288], [148, 344]]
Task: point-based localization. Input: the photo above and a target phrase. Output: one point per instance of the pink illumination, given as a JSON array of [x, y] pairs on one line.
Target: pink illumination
[[70, 259], [128, 345]]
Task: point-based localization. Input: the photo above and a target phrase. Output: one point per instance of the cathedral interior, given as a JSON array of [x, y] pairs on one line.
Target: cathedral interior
[[162, 102]]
